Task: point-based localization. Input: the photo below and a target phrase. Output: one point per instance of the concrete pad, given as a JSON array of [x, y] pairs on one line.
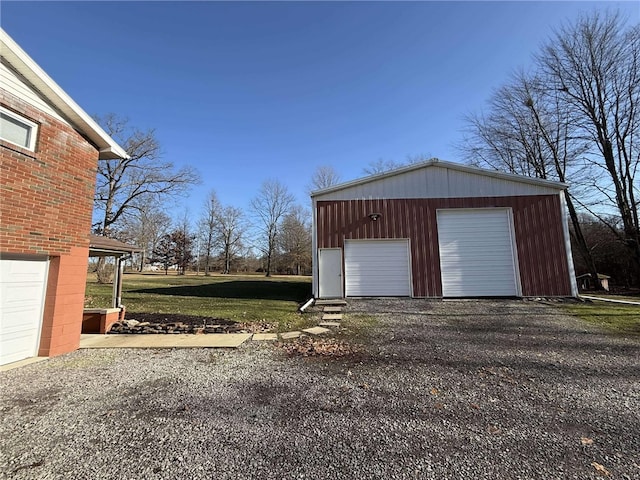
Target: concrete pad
[[335, 301], [613, 300], [316, 330], [332, 316], [21, 363], [290, 335], [260, 337], [209, 340], [329, 324], [330, 309]]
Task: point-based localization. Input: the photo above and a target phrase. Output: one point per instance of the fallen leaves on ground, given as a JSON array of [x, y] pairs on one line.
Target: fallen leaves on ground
[[586, 441], [493, 430], [321, 347], [600, 469]]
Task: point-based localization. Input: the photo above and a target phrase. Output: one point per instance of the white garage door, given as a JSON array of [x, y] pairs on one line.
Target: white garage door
[[22, 290], [476, 253], [377, 268]]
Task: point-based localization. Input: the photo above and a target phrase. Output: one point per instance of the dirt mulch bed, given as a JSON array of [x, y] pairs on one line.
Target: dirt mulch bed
[[171, 323]]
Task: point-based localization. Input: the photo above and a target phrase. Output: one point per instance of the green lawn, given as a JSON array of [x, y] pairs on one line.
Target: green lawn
[[234, 297], [616, 317]]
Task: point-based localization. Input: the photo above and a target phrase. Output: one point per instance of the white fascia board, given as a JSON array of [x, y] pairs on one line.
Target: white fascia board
[[43, 83], [441, 163]]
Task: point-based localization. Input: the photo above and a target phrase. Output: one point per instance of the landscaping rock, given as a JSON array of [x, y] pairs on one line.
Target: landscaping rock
[[126, 327]]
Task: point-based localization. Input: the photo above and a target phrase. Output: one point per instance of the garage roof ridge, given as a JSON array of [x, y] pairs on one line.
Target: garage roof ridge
[[445, 164]]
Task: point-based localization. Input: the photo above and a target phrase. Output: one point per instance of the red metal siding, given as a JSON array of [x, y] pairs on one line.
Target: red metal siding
[[537, 222]]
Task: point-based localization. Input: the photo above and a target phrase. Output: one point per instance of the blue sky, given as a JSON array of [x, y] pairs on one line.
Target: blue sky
[[250, 91]]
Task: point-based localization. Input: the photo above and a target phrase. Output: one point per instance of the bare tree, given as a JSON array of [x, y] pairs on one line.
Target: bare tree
[[231, 230], [122, 183], [596, 65], [295, 240], [325, 176], [380, 166], [269, 207], [145, 227], [209, 228], [529, 131]]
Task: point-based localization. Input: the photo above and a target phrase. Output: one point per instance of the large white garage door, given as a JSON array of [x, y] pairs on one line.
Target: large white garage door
[[22, 290], [377, 268], [476, 253]]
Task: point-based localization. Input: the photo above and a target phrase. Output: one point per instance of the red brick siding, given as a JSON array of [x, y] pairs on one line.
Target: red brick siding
[[64, 303], [46, 196], [46, 201], [537, 223]]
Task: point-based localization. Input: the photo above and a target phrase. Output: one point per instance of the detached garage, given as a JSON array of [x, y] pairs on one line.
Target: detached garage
[[439, 229]]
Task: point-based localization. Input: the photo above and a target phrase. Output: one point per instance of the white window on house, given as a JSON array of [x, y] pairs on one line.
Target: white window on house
[[18, 130]]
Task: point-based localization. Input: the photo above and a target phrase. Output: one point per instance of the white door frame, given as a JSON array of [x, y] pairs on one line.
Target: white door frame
[[340, 280]]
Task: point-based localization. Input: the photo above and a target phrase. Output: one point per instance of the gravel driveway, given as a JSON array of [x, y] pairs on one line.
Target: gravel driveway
[[476, 389]]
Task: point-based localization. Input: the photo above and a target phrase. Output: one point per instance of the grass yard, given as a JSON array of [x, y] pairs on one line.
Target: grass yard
[[239, 298], [616, 317]]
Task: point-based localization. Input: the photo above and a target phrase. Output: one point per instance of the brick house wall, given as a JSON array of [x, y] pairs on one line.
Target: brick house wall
[[46, 202]]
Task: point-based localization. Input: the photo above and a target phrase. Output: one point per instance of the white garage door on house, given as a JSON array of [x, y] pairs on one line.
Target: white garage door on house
[[377, 268], [22, 290], [476, 253]]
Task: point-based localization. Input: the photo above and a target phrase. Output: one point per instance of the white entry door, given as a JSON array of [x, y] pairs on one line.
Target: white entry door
[[330, 273], [477, 254], [22, 290]]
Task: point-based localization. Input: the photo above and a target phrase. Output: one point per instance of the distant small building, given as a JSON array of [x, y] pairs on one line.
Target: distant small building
[[585, 281]]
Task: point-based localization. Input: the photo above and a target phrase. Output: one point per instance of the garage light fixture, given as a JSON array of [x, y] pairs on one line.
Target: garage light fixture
[[374, 216]]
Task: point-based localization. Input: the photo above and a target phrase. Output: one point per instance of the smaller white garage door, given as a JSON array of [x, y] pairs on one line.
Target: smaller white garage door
[[476, 253], [377, 268], [22, 290]]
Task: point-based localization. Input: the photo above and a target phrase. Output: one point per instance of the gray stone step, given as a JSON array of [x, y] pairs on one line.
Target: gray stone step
[[316, 330], [332, 316], [290, 335], [262, 337]]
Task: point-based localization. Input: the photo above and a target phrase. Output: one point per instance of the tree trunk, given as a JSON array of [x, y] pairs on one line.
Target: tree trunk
[[585, 253]]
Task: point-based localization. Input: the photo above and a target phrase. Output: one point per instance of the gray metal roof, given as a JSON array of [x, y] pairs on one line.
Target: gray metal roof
[[437, 178]]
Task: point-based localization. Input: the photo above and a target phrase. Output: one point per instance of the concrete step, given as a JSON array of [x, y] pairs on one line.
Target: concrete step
[[332, 316], [329, 324], [334, 301], [332, 309]]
